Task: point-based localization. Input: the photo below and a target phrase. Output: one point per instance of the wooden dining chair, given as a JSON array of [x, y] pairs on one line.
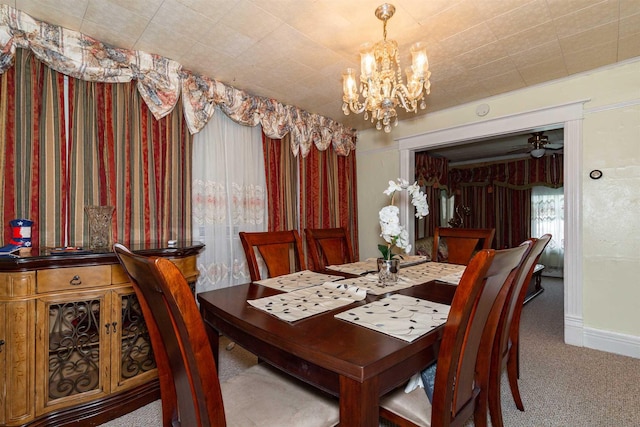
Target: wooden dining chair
[[505, 351], [281, 252], [461, 377], [329, 246], [462, 243], [192, 395]]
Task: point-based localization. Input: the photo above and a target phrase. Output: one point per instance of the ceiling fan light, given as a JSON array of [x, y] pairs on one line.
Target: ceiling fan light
[[537, 153]]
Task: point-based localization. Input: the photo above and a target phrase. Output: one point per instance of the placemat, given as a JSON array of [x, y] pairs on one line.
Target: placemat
[[426, 272], [400, 316], [372, 284], [299, 280], [370, 265], [408, 260], [307, 302], [357, 268]]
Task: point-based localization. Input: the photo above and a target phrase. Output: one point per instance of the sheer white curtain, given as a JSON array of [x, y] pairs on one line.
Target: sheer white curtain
[[229, 196], [547, 216]]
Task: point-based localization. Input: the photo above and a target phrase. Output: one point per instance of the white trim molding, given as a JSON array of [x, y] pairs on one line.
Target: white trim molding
[[612, 342], [569, 116]]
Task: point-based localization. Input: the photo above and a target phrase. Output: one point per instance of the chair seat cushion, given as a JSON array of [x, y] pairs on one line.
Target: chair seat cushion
[[413, 406], [260, 395]]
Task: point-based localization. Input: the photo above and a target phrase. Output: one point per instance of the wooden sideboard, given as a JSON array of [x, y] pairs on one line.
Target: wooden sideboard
[[74, 349]]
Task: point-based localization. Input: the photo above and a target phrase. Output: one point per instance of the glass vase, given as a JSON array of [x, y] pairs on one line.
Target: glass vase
[[388, 270], [99, 222]]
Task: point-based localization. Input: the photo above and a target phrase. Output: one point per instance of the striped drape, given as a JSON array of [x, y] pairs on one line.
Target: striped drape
[[328, 193], [121, 156], [432, 174], [327, 189], [481, 201], [506, 209], [513, 216], [281, 170], [32, 149]]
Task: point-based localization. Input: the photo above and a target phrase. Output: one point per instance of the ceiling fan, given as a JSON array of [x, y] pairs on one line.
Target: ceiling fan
[[538, 144]]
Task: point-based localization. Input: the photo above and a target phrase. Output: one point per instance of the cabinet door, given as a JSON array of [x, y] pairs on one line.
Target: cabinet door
[[132, 361], [72, 349]]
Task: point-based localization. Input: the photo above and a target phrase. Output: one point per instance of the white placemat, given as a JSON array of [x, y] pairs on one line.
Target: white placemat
[[407, 260], [299, 280], [400, 316], [426, 272], [357, 268], [373, 286], [307, 302]]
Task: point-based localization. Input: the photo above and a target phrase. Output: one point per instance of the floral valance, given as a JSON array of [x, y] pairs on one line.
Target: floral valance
[[161, 81], [523, 173]]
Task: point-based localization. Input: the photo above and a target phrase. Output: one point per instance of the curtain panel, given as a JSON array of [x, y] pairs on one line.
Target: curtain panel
[[160, 82], [480, 199], [512, 213], [328, 193], [228, 197], [32, 150], [326, 188], [121, 156], [432, 174], [281, 169]]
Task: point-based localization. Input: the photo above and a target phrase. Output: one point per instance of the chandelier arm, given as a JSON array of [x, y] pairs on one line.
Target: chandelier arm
[[402, 95], [355, 106]]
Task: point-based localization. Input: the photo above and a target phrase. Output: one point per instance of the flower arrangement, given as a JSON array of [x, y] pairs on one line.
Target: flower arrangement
[[392, 232]]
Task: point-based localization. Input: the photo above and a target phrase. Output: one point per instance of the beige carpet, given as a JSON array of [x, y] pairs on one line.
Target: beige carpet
[[561, 385]]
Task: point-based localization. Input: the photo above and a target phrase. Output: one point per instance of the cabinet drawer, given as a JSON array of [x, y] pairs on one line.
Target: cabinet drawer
[[118, 275], [64, 279]]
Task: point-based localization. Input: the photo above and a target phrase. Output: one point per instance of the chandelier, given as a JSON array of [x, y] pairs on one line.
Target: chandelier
[[381, 82]]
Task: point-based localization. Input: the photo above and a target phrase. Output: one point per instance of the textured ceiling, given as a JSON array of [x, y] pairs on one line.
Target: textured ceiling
[[295, 50]]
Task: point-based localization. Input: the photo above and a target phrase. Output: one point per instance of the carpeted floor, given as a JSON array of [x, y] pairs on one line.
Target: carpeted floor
[[561, 385]]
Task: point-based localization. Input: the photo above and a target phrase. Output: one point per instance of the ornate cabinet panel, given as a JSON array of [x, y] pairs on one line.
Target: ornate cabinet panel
[[17, 342], [72, 349], [131, 354]]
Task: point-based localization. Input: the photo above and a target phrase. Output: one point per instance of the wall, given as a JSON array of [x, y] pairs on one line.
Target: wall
[[610, 231]]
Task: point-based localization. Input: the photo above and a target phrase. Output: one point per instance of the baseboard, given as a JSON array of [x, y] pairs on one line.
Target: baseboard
[[612, 342]]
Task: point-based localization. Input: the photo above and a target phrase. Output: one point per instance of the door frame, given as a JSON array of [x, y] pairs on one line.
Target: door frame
[[569, 116]]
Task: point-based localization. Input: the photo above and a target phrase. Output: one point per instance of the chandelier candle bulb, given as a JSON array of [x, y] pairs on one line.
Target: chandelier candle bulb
[[349, 86], [420, 61], [367, 61]]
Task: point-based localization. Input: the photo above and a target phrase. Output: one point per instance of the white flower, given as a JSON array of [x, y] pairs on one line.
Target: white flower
[[391, 231], [393, 187]]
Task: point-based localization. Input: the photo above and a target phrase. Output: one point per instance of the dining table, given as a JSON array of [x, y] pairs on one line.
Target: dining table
[[356, 364]]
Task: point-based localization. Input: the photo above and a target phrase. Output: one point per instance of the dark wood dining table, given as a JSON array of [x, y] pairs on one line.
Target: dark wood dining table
[[354, 363]]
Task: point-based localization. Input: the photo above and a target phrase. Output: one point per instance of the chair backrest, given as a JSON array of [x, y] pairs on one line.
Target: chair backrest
[[189, 383], [281, 252], [462, 243], [469, 333], [510, 318], [329, 246]]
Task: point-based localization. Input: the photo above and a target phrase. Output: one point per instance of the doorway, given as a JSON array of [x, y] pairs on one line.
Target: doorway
[[567, 116]]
